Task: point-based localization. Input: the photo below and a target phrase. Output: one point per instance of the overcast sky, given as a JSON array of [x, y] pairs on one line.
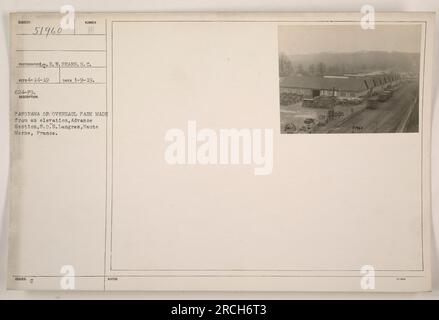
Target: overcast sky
[[344, 38]]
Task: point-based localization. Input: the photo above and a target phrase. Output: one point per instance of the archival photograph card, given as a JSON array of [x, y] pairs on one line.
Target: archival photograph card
[[220, 151]]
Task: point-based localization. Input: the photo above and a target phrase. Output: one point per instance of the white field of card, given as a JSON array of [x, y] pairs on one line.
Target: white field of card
[[90, 187]]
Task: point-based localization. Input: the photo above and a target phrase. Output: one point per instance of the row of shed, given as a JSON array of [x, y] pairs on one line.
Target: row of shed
[[344, 87]]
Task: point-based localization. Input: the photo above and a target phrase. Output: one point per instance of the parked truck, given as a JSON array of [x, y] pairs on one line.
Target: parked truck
[[372, 102], [384, 96]]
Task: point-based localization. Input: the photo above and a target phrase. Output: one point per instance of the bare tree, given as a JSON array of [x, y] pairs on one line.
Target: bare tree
[[285, 65]]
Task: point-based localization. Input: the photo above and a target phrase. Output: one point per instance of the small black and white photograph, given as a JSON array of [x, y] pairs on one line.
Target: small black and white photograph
[[346, 79]]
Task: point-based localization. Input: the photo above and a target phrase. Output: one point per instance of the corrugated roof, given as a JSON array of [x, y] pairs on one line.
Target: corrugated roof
[[345, 84]]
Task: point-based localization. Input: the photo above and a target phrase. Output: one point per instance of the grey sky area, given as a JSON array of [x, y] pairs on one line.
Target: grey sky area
[[349, 38]]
